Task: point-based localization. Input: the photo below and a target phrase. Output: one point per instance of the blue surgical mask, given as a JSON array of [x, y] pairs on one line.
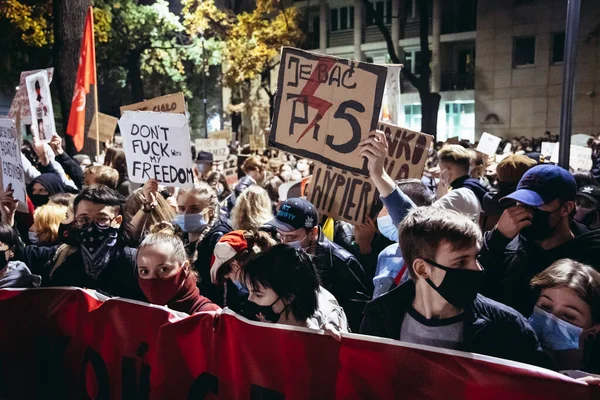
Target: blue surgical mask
[[387, 228], [554, 333], [190, 223], [33, 237]]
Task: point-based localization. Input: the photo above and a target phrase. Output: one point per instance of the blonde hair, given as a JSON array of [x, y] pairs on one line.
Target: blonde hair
[[252, 209], [46, 219], [455, 154], [206, 192], [582, 279], [162, 212], [164, 235], [104, 175]]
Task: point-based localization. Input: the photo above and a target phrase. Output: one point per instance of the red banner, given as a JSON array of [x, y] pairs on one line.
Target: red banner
[[70, 344]]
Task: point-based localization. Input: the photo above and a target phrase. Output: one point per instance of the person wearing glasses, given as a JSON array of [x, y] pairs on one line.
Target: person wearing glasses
[[97, 256]]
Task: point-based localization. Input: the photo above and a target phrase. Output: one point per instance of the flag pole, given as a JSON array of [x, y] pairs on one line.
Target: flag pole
[[96, 115]]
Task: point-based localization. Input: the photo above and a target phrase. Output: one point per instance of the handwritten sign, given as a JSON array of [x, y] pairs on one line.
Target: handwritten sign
[[107, 124], [19, 108], [172, 103], [218, 148], [257, 142], [548, 149], [10, 156], [350, 197], [157, 146], [325, 106], [488, 144], [40, 104], [580, 158]]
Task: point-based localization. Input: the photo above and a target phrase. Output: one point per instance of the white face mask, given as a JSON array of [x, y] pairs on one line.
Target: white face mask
[[297, 244], [387, 228]]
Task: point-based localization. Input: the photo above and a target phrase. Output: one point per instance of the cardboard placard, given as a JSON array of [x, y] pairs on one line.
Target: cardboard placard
[[350, 197], [390, 111], [10, 157], [171, 103], [19, 108], [107, 124], [257, 142], [453, 140], [325, 106], [224, 134], [40, 104], [218, 148], [548, 149], [488, 144], [157, 146], [580, 158]]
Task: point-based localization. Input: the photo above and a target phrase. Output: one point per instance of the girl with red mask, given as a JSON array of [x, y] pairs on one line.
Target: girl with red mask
[[165, 276]]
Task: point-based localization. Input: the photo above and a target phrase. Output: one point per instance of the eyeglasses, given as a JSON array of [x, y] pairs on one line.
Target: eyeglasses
[[102, 220]]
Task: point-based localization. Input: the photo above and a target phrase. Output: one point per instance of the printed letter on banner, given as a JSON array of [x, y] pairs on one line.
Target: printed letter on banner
[[157, 146], [325, 106], [351, 197]]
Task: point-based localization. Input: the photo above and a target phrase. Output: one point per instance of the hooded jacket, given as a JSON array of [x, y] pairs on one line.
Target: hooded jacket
[[18, 275], [490, 328], [473, 184], [510, 264]]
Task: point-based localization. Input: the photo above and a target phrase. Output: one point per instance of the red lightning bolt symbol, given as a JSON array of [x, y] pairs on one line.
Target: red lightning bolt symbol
[[309, 90]]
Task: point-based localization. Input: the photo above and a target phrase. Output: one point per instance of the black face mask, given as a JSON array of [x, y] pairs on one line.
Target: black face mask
[[39, 200], [69, 234], [262, 313], [460, 286], [539, 228], [97, 245]]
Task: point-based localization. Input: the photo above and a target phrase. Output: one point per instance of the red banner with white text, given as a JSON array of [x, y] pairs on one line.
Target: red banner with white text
[[67, 343]]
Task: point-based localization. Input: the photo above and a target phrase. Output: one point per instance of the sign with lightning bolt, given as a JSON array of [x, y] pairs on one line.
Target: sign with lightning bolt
[[325, 106]]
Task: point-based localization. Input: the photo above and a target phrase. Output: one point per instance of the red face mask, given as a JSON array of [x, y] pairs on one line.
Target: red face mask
[[161, 291]]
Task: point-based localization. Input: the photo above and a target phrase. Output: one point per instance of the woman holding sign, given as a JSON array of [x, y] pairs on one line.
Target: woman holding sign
[[199, 216]]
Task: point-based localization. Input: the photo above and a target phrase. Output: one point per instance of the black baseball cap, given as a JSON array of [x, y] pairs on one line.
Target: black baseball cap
[[204, 156], [590, 192], [295, 213], [543, 184]]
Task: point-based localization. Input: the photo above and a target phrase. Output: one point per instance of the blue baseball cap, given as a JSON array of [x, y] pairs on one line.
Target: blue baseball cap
[[542, 184], [294, 214]]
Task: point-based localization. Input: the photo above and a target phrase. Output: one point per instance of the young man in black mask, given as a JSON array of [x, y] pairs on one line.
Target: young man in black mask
[[96, 255], [439, 305], [536, 231]]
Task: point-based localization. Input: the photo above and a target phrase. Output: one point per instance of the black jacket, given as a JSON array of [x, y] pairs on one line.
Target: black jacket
[[72, 169], [491, 328], [343, 276], [510, 264], [205, 251], [243, 184], [118, 278], [473, 184]]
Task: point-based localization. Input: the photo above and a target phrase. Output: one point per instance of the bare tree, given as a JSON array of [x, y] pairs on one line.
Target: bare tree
[[430, 101]]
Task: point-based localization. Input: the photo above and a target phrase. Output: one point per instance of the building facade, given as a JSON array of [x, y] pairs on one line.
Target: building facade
[[496, 63]]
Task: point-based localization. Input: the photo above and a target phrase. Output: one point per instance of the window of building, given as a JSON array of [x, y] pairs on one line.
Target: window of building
[[460, 120], [524, 51], [333, 25], [558, 47], [412, 117], [343, 18], [351, 17], [383, 10], [388, 12]]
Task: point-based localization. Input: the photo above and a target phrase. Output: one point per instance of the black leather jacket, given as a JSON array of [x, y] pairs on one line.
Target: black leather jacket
[[343, 276]]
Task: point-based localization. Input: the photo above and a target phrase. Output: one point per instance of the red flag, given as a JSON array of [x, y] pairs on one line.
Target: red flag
[[86, 76]]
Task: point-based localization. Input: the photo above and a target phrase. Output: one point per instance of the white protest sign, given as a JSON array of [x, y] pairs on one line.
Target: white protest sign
[[19, 108], [488, 144], [157, 146], [507, 148], [548, 149], [10, 156], [580, 158], [218, 148], [40, 103]]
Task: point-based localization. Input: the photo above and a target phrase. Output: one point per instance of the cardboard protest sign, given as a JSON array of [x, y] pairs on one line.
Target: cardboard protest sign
[[40, 104], [580, 158], [453, 140], [390, 111], [157, 146], [171, 103], [257, 142], [10, 156], [218, 147], [325, 106], [488, 144], [350, 197], [224, 134], [107, 124], [19, 108]]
